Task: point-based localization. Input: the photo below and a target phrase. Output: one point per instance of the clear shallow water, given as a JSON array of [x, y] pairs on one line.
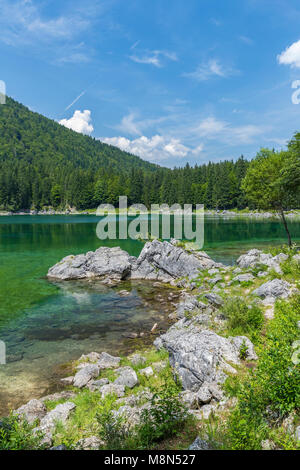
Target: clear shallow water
[[45, 324]]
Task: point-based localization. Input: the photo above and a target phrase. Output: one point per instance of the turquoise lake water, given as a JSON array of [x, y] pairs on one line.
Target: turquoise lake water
[[44, 324]]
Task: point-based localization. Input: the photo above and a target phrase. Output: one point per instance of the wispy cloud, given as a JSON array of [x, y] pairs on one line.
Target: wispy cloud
[[24, 24], [22, 21], [154, 57], [246, 40], [212, 128], [212, 68], [132, 125]]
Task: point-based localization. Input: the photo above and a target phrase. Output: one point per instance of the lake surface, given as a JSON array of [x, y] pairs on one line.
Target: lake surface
[[45, 324]]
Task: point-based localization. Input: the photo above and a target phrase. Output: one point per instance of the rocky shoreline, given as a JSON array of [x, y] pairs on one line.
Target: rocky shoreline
[[291, 214], [198, 352]]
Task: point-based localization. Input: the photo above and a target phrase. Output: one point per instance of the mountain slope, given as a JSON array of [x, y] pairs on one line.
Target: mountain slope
[[38, 155]]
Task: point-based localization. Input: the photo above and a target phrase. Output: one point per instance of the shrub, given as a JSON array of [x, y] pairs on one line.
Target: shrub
[[165, 417], [242, 318], [272, 391], [17, 435]]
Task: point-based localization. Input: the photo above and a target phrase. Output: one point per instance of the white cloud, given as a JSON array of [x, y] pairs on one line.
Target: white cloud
[[154, 57], [132, 126], [210, 69], [211, 128], [128, 126], [291, 56], [79, 122], [155, 149], [22, 23]]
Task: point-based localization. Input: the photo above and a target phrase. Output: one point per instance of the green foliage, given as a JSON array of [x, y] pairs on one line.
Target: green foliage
[[42, 163], [164, 418], [272, 391], [113, 430], [269, 183], [17, 435], [243, 319]]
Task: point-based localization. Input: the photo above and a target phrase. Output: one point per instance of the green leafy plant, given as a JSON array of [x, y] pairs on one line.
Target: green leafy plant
[[16, 434]]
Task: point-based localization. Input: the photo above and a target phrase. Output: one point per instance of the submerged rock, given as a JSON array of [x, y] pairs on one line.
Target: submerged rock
[[158, 261]]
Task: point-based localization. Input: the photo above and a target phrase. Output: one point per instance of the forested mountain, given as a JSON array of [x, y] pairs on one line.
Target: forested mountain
[[45, 164]]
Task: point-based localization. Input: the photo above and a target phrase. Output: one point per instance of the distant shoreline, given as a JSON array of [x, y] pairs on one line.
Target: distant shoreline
[[292, 214]]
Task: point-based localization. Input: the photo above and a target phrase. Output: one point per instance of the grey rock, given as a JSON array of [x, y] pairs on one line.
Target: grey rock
[[189, 303], [91, 357], [104, 262], [85, 375], [213, 271], [200, 444], [60, 447], [268, 445], [204, 395], [262, 274], [89, 443], [147, 372], [106, 361], [215, 280], [95, 385], [127, 377], [112, 389], [137, 359], [132, 415], [159, 366], [240, 341], [158, 261], [244, 278], [275, 288], [297, 433], [47, 424], [165, 261], [256, 257], [67, 380], [198, 356], [33, 410], [214, 299], [64, 395], [190, 399]]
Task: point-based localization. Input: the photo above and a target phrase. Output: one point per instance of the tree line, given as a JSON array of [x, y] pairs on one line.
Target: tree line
[[44, 164]]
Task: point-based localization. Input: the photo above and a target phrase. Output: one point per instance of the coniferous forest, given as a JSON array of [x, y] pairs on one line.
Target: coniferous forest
[[44, 164]]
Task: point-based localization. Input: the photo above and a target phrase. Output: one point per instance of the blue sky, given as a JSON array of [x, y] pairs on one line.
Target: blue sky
[[174, 82]]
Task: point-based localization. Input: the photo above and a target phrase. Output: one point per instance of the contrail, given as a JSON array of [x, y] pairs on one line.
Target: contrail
[[76, 99]]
